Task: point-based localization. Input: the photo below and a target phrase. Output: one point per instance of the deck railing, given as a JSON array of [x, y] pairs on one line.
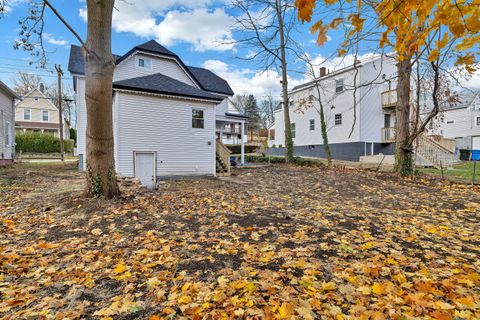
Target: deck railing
[[389, 99], [388, 134]]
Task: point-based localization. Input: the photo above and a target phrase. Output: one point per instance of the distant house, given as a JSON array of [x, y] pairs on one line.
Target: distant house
[[7, 121], [36, 113], [167, 116], [460, 122], [229, 122], [372, 119]]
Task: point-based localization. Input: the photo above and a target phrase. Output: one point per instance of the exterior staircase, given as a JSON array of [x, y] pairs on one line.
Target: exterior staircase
[[222, 159], [429, 152]]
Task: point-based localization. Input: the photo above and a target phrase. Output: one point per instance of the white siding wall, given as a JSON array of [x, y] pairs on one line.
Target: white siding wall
[[81, 117], [128, 69], [6, 115], [370, 116], [149, 123], [464, 125]]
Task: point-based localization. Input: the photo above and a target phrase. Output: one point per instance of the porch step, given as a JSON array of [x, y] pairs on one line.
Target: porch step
[[431, 153], [222, 159]]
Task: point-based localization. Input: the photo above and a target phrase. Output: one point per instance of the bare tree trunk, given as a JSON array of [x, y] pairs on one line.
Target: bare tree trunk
[[286, 112], [404, 148], [99, 66]]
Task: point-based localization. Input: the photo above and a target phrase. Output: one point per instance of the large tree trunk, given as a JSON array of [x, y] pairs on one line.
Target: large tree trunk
[[404, 148], [286, 112], [99, 66]]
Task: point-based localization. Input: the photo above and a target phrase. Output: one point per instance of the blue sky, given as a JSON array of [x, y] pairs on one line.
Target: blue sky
[[194, 29]]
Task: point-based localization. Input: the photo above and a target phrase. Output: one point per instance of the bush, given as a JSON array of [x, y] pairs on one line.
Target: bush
[[36, 142], [73, 135], [236, 149], [277, 159]]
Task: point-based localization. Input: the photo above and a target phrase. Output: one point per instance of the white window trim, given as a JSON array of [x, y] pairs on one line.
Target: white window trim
[[335, 119], [477, 123], [191, 117], [137, 59], [29, 114], [343, 86], [48, 115], [8, 130]]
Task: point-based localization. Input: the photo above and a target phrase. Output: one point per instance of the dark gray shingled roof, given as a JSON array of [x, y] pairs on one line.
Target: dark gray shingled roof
[[208, 80], [76, 62], [159, 83]]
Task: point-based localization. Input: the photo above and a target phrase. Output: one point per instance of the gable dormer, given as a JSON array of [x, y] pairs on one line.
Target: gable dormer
[[152, 58]]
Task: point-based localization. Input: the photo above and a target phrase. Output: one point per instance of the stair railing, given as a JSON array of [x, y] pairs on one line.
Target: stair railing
[[224, 153]]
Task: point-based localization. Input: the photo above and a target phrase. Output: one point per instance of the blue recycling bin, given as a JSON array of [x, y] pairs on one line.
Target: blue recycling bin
[[475, 155]]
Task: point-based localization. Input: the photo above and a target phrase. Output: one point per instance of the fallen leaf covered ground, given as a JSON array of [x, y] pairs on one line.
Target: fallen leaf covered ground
[[279, 242]]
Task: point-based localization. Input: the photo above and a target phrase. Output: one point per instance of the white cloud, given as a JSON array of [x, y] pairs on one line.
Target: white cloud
[[189, 22], [472, 81], [50, 38], [248, 81], [206, 30]]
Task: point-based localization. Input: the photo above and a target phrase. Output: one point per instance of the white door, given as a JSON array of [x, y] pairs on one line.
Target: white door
[[476, 143], [145, 168]]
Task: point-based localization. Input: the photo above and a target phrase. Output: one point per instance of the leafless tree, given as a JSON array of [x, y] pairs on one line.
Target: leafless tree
[[266, 27]]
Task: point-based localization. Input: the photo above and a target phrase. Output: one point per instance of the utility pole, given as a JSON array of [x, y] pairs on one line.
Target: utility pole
[[60, 113]]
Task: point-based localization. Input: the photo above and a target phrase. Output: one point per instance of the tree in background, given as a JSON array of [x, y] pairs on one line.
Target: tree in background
[[267, 107], [266, 27], [99, 66], [414, 30], [253, 114]]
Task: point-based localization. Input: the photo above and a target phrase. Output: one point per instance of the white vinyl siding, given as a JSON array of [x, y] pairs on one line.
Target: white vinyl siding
[[152, 123], [81, 118], [129, 68], [7, 132]]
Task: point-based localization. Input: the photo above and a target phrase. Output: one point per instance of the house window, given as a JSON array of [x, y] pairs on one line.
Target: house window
[[339, 86], [450, 121], [198, 121], [36, 98], [45, 115], [338, 119], [8, 133], [477, 121], [387, 120], [292, 128], [144, 63], [312, 124], [292, 103], [26, 114], [229, 136]]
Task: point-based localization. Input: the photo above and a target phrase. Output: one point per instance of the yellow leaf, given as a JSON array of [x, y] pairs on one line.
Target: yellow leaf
[[96, 232], [284, 310], [184, 299], [120, 268], [328, 286], [378, 288]]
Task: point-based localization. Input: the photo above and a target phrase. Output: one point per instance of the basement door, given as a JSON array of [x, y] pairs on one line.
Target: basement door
[[145, 168]]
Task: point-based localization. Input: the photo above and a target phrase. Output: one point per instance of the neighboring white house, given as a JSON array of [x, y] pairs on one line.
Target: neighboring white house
[[165, 114], [374, 114], [229, 123], [460, 122], [7, 124], [36, 113]]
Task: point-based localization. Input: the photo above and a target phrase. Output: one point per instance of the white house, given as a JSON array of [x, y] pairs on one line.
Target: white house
[[7, 124], [461, 122], [36, 113], [372, 120], [165, 115]]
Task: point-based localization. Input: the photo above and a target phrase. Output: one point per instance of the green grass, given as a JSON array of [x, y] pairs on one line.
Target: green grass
[[462, 171]]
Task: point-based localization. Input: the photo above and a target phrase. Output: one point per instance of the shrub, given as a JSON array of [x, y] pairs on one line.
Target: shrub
[[73, 135], [277, 159], [236, 149], [36, 142]]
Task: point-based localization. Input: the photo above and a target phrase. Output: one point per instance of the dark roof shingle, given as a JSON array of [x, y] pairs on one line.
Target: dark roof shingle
[[159, 83], [210, 81]]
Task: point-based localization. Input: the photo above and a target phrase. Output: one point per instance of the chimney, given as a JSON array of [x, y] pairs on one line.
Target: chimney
[[323, 71], [42, 88]]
